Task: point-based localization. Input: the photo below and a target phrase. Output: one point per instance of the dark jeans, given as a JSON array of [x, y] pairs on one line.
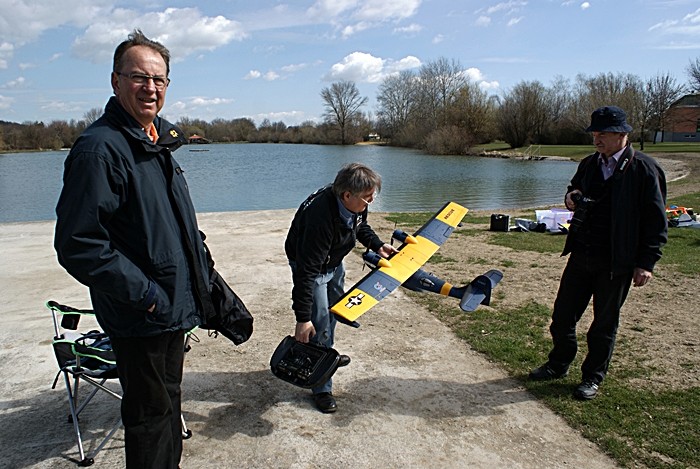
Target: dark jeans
[[587, 276], [150, 372]]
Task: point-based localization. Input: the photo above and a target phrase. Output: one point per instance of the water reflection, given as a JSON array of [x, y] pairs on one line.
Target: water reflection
[[267, 176]]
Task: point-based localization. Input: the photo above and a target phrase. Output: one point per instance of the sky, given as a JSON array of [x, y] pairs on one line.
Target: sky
[[267, 59]]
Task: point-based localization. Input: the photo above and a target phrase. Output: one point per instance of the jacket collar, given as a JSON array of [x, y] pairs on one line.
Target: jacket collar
[[169, 136]]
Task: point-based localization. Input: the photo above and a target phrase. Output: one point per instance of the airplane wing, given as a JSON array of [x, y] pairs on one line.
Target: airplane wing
[[412, 254]]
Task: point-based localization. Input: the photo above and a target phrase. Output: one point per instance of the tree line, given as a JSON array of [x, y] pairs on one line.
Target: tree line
[[436, 108]]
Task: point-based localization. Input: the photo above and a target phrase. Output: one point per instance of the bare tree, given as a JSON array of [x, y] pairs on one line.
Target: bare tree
[[342, 101], [396, 97], [439, 85], [606, 89], [92, 115], [472, 112], [661, 91], [524, 113], [693, 70]]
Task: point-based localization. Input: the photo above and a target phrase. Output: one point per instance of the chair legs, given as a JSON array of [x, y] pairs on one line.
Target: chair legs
[[76, 407]]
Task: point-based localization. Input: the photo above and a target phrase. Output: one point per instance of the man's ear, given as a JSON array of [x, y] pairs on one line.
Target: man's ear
[[115, 83]]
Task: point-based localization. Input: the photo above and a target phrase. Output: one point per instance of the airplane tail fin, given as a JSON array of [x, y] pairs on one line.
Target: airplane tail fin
[[478, 291]]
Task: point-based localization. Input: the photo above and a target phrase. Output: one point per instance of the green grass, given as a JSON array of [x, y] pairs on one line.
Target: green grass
[[577, 152], [636, 426]]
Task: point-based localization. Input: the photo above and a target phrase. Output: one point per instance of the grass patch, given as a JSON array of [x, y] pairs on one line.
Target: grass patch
[[578, 152], [529, 241], [682, 250], [638, 427], [635, 426]]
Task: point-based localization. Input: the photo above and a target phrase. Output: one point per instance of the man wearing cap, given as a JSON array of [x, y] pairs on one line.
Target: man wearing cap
[[619, 226]]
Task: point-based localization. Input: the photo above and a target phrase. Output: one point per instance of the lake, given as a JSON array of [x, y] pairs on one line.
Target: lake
[[236, 177]]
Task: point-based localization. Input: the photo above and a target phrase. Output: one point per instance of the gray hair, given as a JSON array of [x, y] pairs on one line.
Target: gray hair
[[356, 178], [137, 38]]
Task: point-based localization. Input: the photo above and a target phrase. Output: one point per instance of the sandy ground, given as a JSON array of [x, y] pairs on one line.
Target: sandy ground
[[414, 396]]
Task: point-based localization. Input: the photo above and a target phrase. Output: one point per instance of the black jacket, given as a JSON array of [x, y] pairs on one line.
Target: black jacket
[[125, 219], [638, 216], [317, 241]]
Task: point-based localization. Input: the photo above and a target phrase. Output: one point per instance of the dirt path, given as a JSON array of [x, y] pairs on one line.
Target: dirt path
[[414, 396]]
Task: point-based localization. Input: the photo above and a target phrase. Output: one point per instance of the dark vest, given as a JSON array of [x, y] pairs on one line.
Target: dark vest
[[594, 234]]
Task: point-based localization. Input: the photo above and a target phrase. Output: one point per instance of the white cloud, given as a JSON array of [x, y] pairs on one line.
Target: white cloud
[[201, 101], [438, 39], [184, 31], [196, 106], [330, 8], [412, 28], [267, 76], [353, 16], [372, 10], [475, 75], [362, 67], [514, 21], [288, 117], [483, 21], [23, 21], [6, 51], [291, 68], [252, 75], [62, 107], [508, 10], [585, 5], [5, 102], [508, 7], [369, 10], [16, 83], [355, 28], [689, 25]]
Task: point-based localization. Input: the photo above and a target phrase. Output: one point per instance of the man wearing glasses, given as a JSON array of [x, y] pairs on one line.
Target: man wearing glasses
[[127, 229], [324, 230]]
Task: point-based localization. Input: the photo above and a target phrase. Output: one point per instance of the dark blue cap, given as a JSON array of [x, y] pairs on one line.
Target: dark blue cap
[[609, 119]]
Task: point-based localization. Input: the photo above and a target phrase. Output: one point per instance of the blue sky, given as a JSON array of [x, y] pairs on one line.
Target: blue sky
[[271, 59]]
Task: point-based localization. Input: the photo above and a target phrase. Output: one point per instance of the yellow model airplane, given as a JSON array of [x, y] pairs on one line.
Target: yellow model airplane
[[404, 268]]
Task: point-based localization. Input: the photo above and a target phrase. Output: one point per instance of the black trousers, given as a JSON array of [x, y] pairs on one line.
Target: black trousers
[[150, 372], [587, 276]]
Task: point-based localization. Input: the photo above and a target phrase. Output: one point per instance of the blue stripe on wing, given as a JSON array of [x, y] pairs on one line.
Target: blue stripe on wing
[[436, 231], [378, 285]]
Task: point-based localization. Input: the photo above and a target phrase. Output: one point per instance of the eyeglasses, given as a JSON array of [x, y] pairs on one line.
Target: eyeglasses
[[141, 79], [368, 202]]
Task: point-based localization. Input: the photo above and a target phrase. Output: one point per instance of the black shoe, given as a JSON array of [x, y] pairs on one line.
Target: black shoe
[[325, 402], [586, 391], [344, 361], [545, 373]]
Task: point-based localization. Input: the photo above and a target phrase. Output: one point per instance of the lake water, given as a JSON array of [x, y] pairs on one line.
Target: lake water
[[240, 177]]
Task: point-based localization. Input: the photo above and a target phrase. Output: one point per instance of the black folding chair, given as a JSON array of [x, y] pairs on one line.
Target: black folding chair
[[86, 357]]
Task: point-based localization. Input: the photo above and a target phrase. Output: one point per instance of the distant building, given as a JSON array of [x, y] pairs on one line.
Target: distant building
[[198, 139], [682, 121]]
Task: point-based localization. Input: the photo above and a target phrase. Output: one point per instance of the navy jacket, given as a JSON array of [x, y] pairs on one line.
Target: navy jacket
[[318, 241], [638, 216], [125, 220]]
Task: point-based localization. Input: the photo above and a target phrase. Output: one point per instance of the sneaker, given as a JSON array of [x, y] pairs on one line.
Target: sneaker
[[586, 391], [325, 402], [546, 373]]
